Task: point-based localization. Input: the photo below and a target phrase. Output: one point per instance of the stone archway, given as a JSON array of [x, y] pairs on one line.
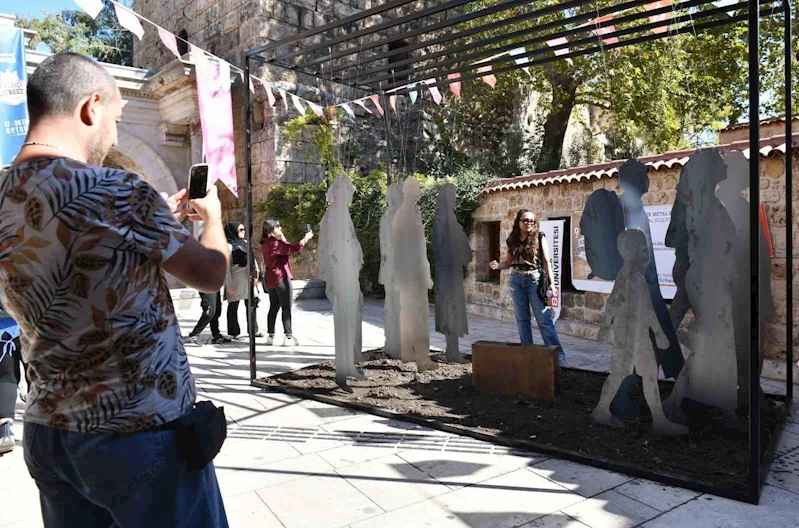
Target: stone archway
[[132, 154]]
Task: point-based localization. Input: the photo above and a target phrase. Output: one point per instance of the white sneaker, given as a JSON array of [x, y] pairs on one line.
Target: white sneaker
[[291, 341], [270, 340], [6, 437]]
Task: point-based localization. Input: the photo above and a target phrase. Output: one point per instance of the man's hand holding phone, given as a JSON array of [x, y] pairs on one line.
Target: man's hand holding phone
[[206, 209]]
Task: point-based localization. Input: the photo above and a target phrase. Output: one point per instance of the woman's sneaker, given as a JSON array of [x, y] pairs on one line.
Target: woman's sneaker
[[6, 436], [270, 340], [191, 341], [291, 341]]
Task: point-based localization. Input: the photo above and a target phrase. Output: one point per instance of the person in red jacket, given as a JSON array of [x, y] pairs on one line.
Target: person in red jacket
[[277, 277]]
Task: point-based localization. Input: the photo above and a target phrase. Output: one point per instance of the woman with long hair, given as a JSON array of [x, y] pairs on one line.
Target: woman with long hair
[[237, 283], [277, 277], [531, 278]]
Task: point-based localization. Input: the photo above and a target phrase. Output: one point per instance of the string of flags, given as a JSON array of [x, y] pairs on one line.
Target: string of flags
[[131, 21]]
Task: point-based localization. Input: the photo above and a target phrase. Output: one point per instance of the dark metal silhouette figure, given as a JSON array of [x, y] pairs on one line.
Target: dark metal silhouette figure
[[600, 225]]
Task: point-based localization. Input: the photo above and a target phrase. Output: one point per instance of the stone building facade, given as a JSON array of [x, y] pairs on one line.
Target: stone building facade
[[562, 194]]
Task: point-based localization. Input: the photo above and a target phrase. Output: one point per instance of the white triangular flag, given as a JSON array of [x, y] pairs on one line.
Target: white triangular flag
[[521, 60], [269, 95], [316, 108], [433, 90], [169, 40], [360, 102], [224, 75], [285, 99], [198, 58], [251, 86], [347, 108], [92, 7], [128, 20], [297, 104]]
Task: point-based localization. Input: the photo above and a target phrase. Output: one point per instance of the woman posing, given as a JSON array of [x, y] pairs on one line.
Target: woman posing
[[237, 284], [531, 279], [277, 277]]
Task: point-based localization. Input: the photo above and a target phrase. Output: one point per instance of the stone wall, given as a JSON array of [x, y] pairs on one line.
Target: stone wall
[[582, 312]]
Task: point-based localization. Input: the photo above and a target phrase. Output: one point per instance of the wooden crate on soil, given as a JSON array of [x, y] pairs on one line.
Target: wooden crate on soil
[[515, 370]]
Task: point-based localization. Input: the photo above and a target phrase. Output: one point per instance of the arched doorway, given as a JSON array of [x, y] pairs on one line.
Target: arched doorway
[[132, 154]]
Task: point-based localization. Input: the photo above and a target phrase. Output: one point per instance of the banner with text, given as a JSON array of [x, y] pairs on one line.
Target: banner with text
[[659, 218], [13, 94], [554, 232]]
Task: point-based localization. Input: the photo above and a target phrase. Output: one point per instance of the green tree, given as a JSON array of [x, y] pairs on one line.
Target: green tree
[[102, 38]]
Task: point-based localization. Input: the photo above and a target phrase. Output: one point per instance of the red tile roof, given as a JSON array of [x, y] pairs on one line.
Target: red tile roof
[[763, 122]]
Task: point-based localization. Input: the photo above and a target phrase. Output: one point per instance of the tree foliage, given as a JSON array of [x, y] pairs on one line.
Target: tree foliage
[[102, 38]]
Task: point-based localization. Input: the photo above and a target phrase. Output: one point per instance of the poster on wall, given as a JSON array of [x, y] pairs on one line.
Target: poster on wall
[[659, 218], [13, 94], [554, 231]]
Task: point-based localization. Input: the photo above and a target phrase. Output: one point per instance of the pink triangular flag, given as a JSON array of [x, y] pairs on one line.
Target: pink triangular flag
[[285, 99], [490, 80], [316, 108], [559, 42], [269, 95], [606, 29], [128, 20], [331, 111], [360, 102], [92, 7], [392, 100], [297, 104], [433, 90], [169, 40], [454, 85], [661, 17], [376, 101]]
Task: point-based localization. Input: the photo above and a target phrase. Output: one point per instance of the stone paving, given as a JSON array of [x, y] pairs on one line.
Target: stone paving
[[297, 463]]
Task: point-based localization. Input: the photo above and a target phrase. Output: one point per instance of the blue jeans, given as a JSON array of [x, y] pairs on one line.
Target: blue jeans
[[119, 481], [524, 292]]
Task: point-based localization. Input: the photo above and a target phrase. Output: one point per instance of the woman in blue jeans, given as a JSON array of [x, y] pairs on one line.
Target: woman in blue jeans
[[531, 279]]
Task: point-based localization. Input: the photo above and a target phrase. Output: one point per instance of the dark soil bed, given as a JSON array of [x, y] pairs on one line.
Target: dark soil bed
[[445, 395]]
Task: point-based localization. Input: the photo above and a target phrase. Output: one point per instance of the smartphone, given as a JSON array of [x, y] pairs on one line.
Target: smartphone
[[198, 182], [307, 228]]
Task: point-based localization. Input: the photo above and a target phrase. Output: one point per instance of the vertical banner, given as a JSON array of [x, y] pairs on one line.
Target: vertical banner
[[13, 94], [553, 231], [216, 118]]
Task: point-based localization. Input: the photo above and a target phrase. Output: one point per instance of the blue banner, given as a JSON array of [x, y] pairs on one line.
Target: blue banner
[[13, 93]]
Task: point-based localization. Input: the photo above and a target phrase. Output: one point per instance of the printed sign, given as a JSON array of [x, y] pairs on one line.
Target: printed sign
[[554, 232], [13, 94]]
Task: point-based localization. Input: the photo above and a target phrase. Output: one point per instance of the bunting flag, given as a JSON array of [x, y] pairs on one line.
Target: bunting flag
[[348, 108], [562, 51], [197, 57], [392, 100], [269, 95], [331, 111], [92, 7], [606, 29], [376, 101], [170, 41], [224, 74], [455, 85], [433, 90], [284, 96], [128, 20], [521, 60], [360, 102], [315, 108], [490, 79], [251, 86], [297, 104], [661, 17], [413, 95]]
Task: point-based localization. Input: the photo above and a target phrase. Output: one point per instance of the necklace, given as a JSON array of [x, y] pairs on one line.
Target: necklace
[[32, 143]]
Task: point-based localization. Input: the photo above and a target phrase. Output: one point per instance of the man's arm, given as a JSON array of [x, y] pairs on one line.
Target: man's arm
[[203, 265]]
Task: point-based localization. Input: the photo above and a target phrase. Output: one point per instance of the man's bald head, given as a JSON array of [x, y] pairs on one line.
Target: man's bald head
[[62, 82]]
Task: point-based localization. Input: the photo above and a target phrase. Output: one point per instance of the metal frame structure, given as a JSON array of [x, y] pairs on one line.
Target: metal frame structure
[[375, 73]]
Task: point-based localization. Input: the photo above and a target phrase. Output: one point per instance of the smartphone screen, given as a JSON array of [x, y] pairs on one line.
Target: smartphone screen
[[307, 228], [198, 182]]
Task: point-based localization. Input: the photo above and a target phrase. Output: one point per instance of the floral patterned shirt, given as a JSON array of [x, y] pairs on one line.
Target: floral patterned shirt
[[80, 249]]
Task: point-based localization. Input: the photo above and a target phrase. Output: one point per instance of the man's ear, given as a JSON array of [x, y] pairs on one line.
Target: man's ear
[[89, 110]]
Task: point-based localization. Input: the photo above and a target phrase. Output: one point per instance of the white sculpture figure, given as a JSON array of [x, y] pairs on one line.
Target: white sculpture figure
[[340, 262], [453, 253], [631, 316], [710, 374], [387, 276], [729, 192], [413, 279]]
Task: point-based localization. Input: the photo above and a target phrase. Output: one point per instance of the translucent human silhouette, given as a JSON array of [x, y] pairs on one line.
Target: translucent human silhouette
[[710, 372], [413, 278], [340, 262], [387, 276], [600, 225], [631, 316], [453, 253], [730, 193]]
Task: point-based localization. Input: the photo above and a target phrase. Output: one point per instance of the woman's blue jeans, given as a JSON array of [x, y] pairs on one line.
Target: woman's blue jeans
[[524, 292]]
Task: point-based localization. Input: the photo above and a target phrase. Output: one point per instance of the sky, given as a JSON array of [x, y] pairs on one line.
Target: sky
[[35, 7]]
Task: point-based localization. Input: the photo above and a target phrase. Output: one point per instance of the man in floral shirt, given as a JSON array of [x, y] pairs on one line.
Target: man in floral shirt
[[82, 254]]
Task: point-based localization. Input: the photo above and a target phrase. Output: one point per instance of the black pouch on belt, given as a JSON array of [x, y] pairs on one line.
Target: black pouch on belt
[[200, 434]]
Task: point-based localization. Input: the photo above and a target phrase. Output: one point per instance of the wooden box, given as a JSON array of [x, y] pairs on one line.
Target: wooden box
[[516, 370]]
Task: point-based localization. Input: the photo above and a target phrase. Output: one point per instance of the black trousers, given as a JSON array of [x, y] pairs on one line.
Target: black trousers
[[233, 327], [280, 300], [212, 308], [10, 376]]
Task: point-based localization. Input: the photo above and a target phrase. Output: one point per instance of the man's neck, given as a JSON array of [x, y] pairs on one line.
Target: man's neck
[[47, 141]]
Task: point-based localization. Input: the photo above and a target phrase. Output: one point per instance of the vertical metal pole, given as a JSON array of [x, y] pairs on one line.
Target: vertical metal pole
[[387, 122], [788, 203], [754, 235], [248, 187]]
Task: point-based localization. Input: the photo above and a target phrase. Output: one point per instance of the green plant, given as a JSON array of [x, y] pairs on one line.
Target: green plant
[[310, 129]]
